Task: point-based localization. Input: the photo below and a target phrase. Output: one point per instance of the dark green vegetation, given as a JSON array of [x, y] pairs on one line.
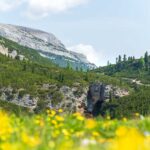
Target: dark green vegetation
[[135, 72], [28, 76], [12, 108], [129, 68], [137, 102]]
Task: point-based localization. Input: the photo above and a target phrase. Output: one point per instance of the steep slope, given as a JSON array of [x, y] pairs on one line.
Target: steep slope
[[46, 44]]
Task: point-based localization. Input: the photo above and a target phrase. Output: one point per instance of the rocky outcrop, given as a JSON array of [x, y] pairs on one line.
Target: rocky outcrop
[[99, 93], [3, 50], [74, 99], [18, 97], [49, 96], [13, 53], [70, 99], [96, 94]]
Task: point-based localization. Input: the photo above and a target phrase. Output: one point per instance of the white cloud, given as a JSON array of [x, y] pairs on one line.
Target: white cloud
[[88, 50], [7, 5], [42, 8]]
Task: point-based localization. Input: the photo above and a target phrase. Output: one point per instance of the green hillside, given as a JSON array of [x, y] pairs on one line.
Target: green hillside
[[136, 73], [28, 76], [129, 68]]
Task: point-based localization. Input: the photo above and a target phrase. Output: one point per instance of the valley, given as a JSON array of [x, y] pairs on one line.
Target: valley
[[67, 101]]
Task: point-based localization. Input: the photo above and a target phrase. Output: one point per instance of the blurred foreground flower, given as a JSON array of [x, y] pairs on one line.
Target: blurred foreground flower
[[5, 126]]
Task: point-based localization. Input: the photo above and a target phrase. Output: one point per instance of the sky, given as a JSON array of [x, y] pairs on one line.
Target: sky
[[100, 29]]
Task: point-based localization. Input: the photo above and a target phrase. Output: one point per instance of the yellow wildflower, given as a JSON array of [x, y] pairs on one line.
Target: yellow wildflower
[[66, 145], [31, 141], [81, 118], [51, 144], [122, 131], [102, 140], [5, 126], [54, 122], [137, 114], [107, 124], [78, 116], [39, 121], [129, 139], [52, 113], [55, 133], [124, 119], [10, 146], [91, 123], [65, 132], [48, 111], [60, 110], [59, 118], [79, 134], [6, 146], [95, 134]]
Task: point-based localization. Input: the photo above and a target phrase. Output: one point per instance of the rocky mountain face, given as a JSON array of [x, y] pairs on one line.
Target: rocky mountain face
[[46, 44], [70, 99], [99, 93]]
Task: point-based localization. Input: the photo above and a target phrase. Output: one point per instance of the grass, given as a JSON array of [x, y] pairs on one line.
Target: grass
[[58, 131]]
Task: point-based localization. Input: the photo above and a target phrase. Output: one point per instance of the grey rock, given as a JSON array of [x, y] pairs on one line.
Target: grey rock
[[99, 93], [13, 54], [46, 44], [25, 101], [72, 99]]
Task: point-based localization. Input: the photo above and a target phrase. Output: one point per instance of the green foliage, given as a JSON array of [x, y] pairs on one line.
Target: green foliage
[[137, 102], [127, 70], [26, 77], [12, 108], [146, 59], [131, 68]]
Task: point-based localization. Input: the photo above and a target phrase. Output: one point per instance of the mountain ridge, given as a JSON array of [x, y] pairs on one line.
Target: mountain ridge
[[46, 44]]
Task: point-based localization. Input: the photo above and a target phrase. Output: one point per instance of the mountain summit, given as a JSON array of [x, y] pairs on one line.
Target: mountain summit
[[46, 44]]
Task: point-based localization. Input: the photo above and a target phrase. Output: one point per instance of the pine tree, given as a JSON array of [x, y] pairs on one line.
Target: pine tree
[[116, 60], [69, 67], [119, 59], [146, 60], [124, 58], [108, 63], [141, 63], [24, 67]]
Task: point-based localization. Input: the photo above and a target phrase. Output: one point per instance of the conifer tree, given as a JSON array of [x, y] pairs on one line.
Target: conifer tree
[[146, 59]]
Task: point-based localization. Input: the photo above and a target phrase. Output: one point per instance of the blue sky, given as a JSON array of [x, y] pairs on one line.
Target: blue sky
[[101, 29]]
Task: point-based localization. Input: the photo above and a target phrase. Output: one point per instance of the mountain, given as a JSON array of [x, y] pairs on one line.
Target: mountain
[[30, 79], [46, 44]]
